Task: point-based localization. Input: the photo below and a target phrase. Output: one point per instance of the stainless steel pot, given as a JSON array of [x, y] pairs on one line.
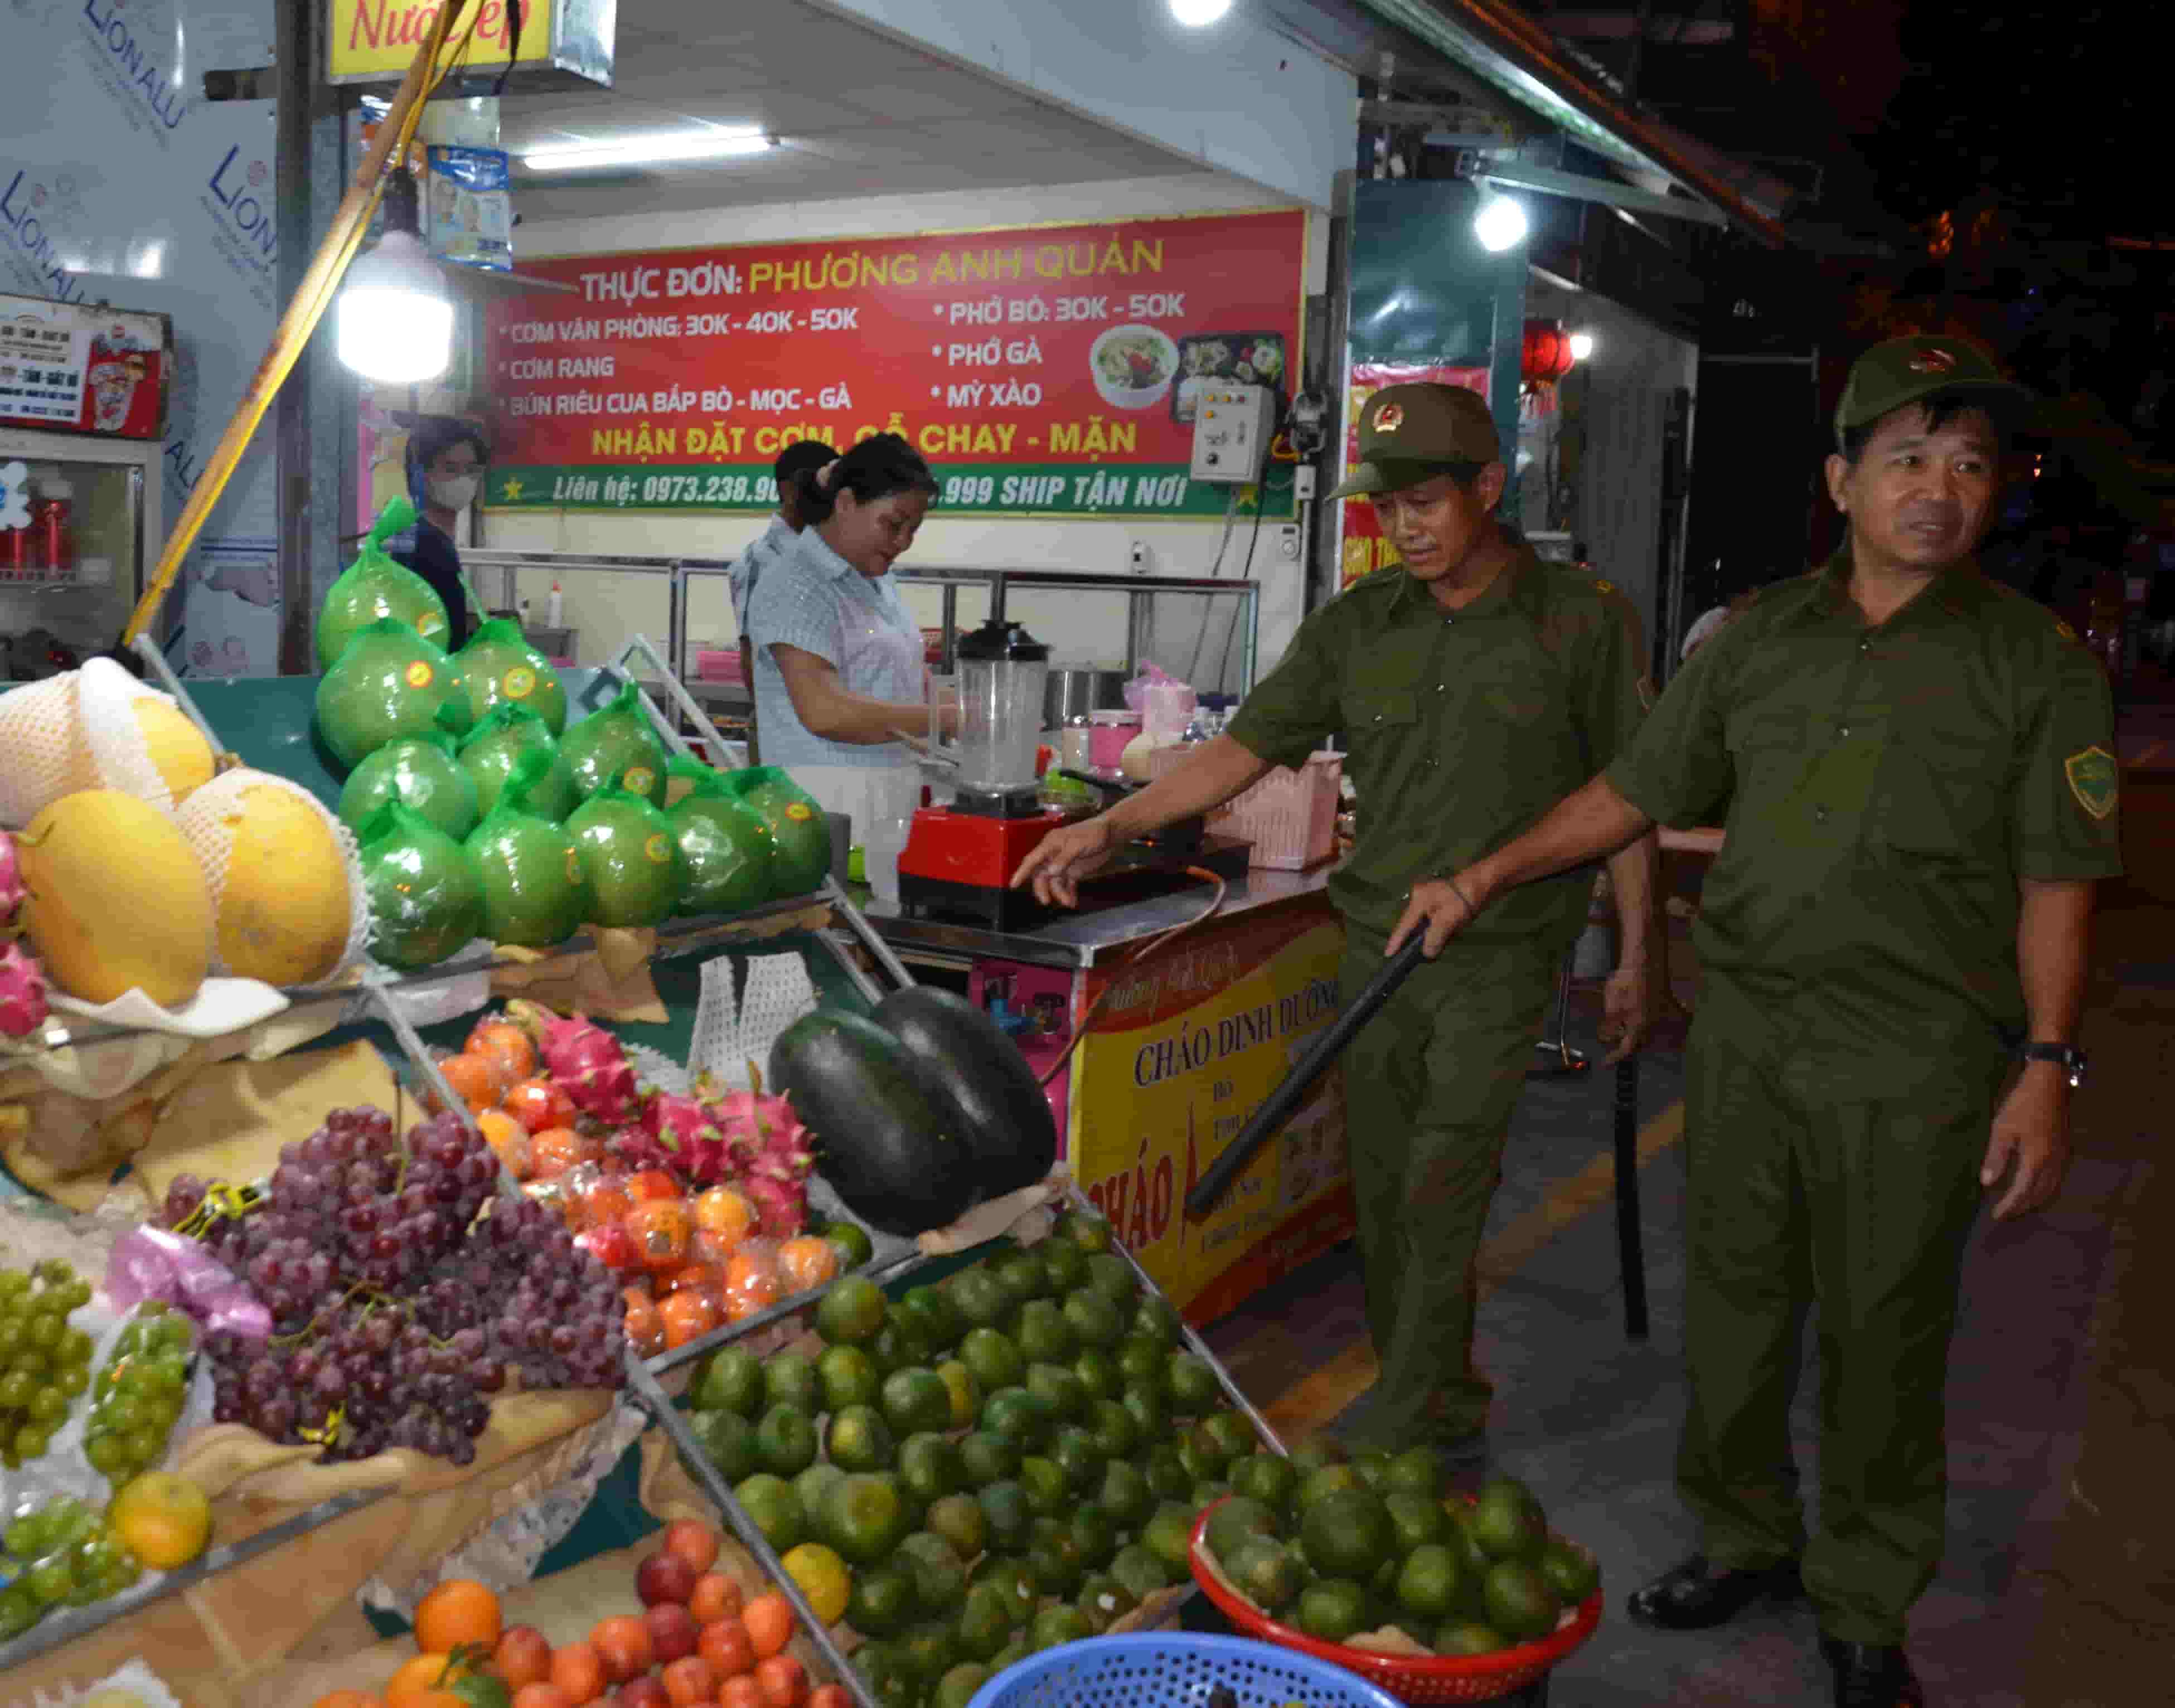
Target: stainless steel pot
[[1073, 691]]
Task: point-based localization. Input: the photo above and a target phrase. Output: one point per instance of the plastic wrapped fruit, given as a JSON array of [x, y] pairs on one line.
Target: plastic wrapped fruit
[[616, 744], [801, 839], [535, 889], [632, 856], [426, 897], [388, 683], [498, 744], [418, 771], [501, 669], [374, 588], [728, 849]]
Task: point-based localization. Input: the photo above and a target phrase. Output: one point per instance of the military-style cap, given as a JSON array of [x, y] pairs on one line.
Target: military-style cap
[[1409, 431], [1903, 370]]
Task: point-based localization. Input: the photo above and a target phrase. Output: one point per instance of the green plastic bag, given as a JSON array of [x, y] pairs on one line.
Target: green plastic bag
[[799, 831], [390, 683], [425, 899], [535, 888], [615, 743], [684, 774], [373, 587], [420, 772], [728, 849], [632, 856], [502, 669], [495, 745]]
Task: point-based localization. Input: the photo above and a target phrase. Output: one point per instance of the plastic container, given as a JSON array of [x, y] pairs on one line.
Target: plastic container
[[1107, 738], [52, 531], [1289, 817], [1159, 1669], [1406, 1678], [719, 665]]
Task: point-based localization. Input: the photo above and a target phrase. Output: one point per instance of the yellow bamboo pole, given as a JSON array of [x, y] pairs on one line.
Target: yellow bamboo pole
[[304, 311]]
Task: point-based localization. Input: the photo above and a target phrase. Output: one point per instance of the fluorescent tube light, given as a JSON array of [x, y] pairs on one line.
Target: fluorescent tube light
[[643, 150]]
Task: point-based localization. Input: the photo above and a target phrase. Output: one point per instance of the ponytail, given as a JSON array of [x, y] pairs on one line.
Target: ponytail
[[875, 468]]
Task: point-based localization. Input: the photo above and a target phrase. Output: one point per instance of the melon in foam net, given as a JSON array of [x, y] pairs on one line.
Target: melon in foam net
[[287, 896], [116, 900]]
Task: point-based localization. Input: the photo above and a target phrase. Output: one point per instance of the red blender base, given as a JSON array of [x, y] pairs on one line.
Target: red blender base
[[958, 863]]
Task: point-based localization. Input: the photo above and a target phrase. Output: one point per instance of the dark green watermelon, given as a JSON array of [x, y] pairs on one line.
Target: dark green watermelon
[[880, 1142], [976, 1077]]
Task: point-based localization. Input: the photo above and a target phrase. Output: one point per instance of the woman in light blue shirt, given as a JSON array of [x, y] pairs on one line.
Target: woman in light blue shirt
[[839, 668]]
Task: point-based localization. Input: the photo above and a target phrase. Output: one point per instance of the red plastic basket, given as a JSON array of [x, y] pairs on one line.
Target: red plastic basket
[[1435, 1678]]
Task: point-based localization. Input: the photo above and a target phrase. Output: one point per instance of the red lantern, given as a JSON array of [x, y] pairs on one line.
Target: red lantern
[[1544, 358]]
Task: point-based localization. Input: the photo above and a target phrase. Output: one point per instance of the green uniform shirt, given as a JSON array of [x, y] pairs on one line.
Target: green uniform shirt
[[1461, 728], [1885, 788]]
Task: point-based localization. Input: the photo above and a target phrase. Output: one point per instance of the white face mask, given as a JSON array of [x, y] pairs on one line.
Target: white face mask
[[454, 491]]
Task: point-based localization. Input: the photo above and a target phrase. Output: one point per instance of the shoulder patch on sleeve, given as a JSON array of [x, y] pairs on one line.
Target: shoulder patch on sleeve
[[2094, 779], [2063, 629], [1605, 586]]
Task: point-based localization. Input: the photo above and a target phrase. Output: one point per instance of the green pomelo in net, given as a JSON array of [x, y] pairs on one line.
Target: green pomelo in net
[[375, 586], [421, 773], [632, 856], [388, 683], [683, 775], [800, 837], [535, 888], [728, 850], [615, 744], [501, 669], [498, 744], [425, 899]]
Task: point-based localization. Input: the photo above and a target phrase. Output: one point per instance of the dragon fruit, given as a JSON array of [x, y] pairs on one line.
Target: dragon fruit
[[781, 1203], [585, 1061], [761, 1134], [675, 1132], [22, 993], [12, 891]]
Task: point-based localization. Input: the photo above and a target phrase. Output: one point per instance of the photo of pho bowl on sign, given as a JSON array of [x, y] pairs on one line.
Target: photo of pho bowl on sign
[[1133, 366]]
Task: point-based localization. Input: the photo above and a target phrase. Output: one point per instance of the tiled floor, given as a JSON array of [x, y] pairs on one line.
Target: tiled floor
[[2056, 1591]]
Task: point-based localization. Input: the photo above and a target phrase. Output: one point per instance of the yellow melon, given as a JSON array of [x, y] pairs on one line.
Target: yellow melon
[[177, 747], [282, 904], [117, 900]]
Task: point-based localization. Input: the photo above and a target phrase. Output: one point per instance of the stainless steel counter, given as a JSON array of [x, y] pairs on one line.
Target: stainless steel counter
[[1079, 940]]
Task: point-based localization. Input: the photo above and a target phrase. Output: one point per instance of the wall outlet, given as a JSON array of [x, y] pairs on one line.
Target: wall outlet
[[1287, 542], [1303, 480], [1137, 556]]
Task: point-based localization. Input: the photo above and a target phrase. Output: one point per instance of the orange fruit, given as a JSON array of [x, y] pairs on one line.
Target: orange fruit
[[543, 1693], [652, 1186], [624, 1643], [579, 1670], [661, 1227], [162, 1519], [347, 1699], [538, 1103], [726, 1645], [459, 1613], [522, 1656], [506, 1044], [783, 1680], [555, 1150], [769, 1622], [725, 1213], [418, 1676], [695, 1542], [508, 1137], [477, 1080], [807, 1262], [689, 1315]]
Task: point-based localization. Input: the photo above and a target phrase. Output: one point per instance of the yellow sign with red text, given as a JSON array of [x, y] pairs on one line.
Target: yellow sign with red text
[[373, 41], [1185, 1051]]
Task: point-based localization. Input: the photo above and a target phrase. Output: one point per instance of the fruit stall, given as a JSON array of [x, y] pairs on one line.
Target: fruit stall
[[474, 1233]]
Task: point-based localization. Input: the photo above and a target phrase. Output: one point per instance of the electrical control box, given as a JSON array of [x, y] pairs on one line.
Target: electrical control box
[[1232, 427]]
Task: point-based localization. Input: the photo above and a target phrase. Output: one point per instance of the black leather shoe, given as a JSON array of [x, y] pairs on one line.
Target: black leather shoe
[[1871, 1675], [1699, 1594]]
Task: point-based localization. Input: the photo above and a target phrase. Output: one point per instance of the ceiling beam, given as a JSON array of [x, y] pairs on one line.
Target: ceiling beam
[[1514, 176]]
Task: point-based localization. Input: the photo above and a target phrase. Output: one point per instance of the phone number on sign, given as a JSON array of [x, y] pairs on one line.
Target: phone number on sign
[[709, 489]]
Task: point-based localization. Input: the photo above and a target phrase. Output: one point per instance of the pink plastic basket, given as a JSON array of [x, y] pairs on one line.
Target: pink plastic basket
[[715, 664], [1290, 816]]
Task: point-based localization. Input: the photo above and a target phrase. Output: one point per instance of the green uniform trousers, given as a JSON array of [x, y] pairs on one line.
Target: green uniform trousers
[[1864, 1209], [1429, 1084]]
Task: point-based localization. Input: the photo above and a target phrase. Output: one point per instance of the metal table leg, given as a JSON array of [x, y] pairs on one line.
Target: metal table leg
[[1559, 1058], [1631, 1247]]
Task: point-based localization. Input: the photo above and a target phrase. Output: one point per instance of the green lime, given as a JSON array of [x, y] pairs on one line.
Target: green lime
[[855, 1246], [1073, 1451], [1430, 1583], [992, 1359], [1049, 1492], [1264, 1572], [1099, 1374], [1417, 1470], [1570, 1571], [1013, 1584], [1416, 1519], [789, 1379], [1157, 1319], [785, 1439], [728, 1441], [1065, 1263], [1508, 1521], [861, 1440], [1168, 1535], [1519, 1603], [1140, 1571], [1022, 1276], [770, 1501], [1019, 1416], [1373, 1465], [1057, 1625], [940, 1580], [1094, 1533], [897, 1344], [1149, 1411], [1043, 1333], [1091, 1234], [956, 1687], [864, 1518], [1124, 1494], [931, 1310], [1233, 1434], [1167, 1474], [1104, 1601], [988, 1457], [814, 1487], [1268, 1478], [882, 1601], [730, 1381], [1011, 1654], [957, 1518], [1059, 1389], [1468, 1637], [964, 1392], [929, 1651], [1007, 1515], [1311, 1455], [883, 1664], [985, 1624], [1332, 1609], [1330, 1479], [849, 1377], [1117, 1431], [930, 1467], [916, 1399], [1143, 1362], [1194, 1389], [851, 1312], [978, 1297], [1093, 1320], [1348, 1534], [1111, 1276], [1054, 1558]]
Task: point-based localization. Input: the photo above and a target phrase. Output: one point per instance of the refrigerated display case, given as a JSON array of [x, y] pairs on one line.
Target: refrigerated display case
[[80, 526]]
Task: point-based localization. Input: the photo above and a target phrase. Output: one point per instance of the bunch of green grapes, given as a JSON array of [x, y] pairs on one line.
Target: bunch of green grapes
[[44, 1364], [59, 1554], [138, 1394]]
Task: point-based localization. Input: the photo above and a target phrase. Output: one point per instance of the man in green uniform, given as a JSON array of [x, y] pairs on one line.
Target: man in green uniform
[[1472, 685], [1918, 773]]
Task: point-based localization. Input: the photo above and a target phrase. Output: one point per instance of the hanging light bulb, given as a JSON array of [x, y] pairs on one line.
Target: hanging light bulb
[[1198, 15], [1581, 345], [393, 323], [1499, 224]]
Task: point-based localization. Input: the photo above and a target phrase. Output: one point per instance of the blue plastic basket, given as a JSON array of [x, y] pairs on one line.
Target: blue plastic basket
[[1157, 1669]]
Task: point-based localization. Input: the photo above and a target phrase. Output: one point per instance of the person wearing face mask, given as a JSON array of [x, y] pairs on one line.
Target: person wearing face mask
[[1468, 683], [446, 460], [838, 668]]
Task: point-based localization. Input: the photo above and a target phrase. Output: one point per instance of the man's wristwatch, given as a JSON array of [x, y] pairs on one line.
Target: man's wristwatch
[[2067, 1057]]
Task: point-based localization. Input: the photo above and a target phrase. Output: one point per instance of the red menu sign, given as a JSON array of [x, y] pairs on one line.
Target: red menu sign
[[1045, 370], [81, 368], [1364, 549]]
